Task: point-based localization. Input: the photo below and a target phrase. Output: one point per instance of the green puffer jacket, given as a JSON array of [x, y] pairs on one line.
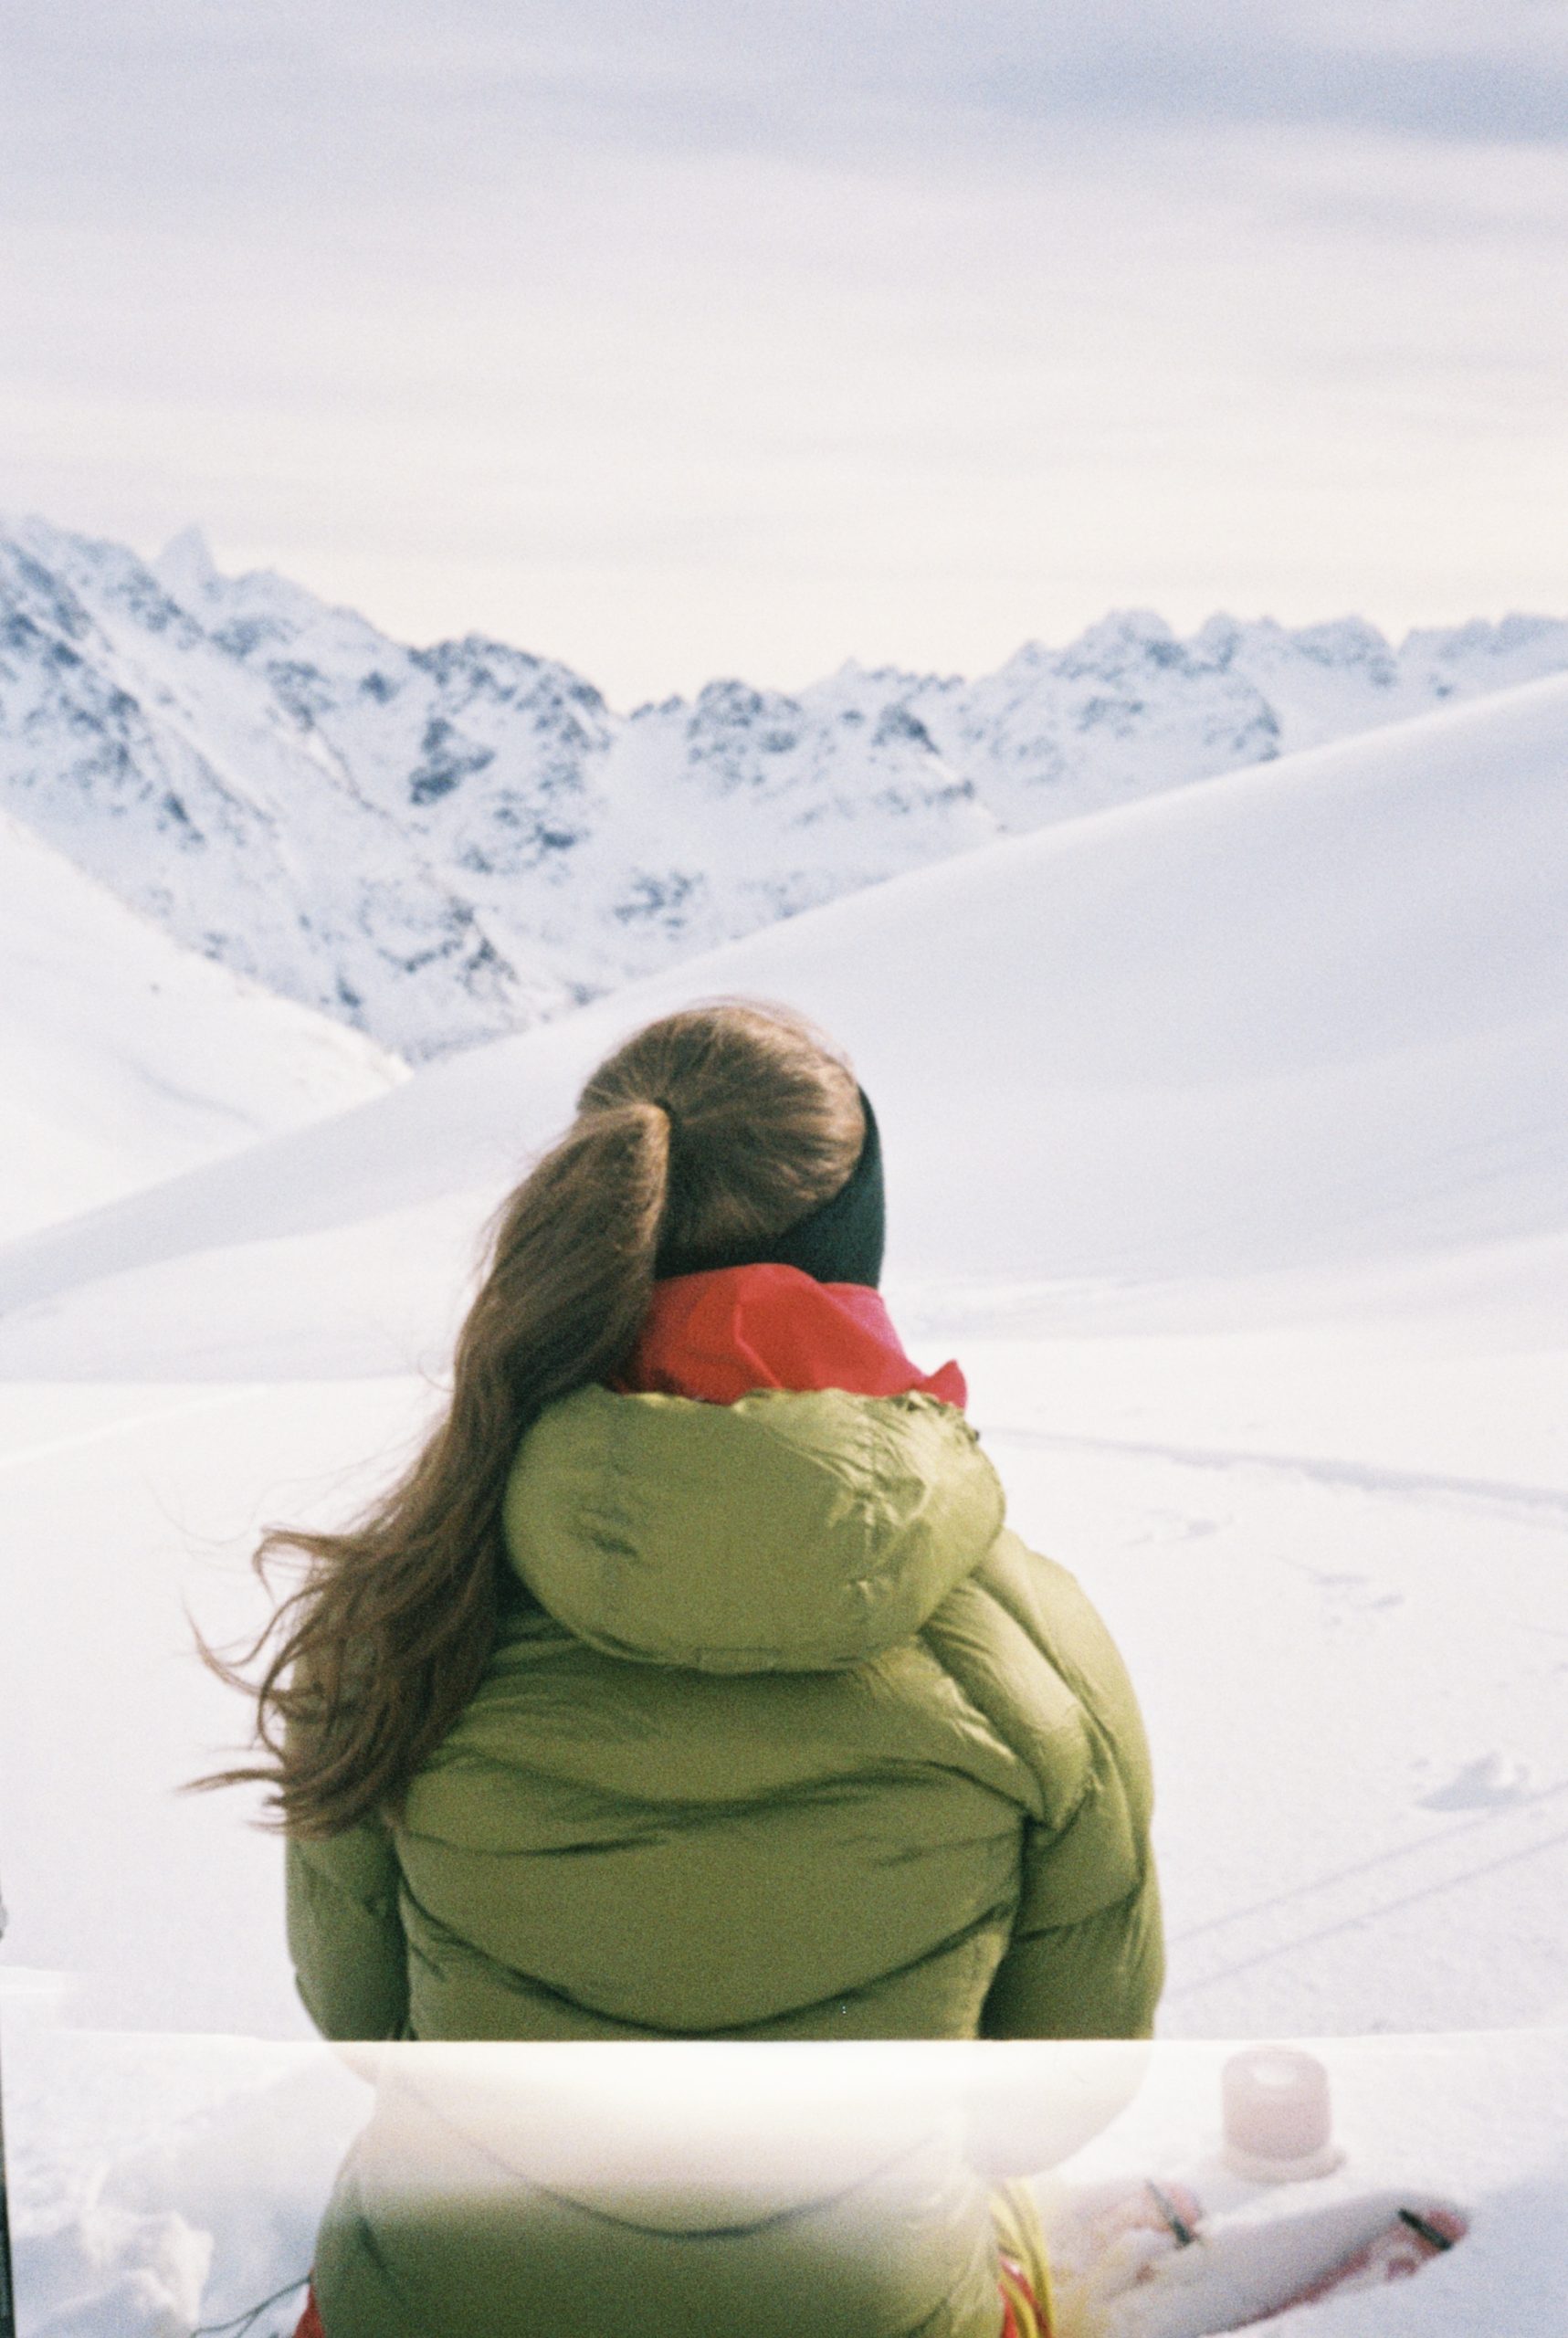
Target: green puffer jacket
[[803, 1743], [503, 2205], [792, 1740]]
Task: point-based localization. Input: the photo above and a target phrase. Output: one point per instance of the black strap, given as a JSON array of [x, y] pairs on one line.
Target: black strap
[[841, 1240]]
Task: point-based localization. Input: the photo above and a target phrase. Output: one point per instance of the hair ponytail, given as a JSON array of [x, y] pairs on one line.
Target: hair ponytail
[[720, 1121]]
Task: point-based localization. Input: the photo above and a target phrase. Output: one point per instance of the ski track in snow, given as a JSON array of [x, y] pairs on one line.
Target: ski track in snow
[[22, 1456], [1444, 1865], [1533, 1505]]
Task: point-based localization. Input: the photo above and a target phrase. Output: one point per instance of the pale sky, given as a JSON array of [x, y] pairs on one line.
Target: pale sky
[[689, 339]]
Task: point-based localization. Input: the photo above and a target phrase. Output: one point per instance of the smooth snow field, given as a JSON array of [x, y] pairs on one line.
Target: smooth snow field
[[1227, 1148], [124, 1058]]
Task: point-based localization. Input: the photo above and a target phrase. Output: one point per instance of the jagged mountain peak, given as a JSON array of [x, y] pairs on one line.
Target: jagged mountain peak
[[186, 567], [1349, 642], [731, 703], [1121, 636]]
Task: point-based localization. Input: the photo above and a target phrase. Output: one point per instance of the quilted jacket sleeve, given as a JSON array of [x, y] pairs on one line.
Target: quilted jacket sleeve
[[1086, 1956], [1097, 1975], [345, 1935]]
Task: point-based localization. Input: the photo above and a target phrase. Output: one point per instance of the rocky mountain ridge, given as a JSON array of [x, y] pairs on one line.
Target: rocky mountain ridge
[[436, 845]]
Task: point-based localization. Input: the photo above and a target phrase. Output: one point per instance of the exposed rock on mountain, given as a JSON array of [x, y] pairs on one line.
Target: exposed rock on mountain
[[441, 844]]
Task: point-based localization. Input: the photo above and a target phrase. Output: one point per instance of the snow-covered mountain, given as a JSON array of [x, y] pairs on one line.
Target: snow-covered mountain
[[435, 845], [125, 1059], [441, 845], [1311, 1020]]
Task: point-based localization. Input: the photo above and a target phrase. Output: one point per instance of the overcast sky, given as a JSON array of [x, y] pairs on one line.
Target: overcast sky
[[686, 340]]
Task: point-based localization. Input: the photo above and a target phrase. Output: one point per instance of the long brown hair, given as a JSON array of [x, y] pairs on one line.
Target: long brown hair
[[712, 1127]]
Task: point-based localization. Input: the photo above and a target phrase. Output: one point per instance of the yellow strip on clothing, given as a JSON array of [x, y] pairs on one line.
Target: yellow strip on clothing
[[1016, 2220]]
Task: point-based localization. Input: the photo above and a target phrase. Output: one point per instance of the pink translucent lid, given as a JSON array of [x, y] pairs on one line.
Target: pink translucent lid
[[1276, 2104]]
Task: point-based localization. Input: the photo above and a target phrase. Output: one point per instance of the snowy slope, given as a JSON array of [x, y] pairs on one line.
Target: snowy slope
[[440, 845], [1310, 1018], [124, 1060], [1285, 1047]]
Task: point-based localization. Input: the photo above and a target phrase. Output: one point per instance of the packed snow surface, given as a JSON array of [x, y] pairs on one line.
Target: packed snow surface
[[1225, 1140]]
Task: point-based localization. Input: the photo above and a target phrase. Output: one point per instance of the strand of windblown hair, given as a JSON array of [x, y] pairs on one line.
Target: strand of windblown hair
[[245, 2321]]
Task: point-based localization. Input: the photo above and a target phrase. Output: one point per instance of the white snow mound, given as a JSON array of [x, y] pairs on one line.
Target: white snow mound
[[125, 1059]]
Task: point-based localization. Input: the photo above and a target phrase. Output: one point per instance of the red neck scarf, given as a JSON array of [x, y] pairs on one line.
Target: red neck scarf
[[718, 1336]]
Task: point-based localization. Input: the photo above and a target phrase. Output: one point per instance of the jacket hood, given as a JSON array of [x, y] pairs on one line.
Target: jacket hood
[[785, 1532]]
